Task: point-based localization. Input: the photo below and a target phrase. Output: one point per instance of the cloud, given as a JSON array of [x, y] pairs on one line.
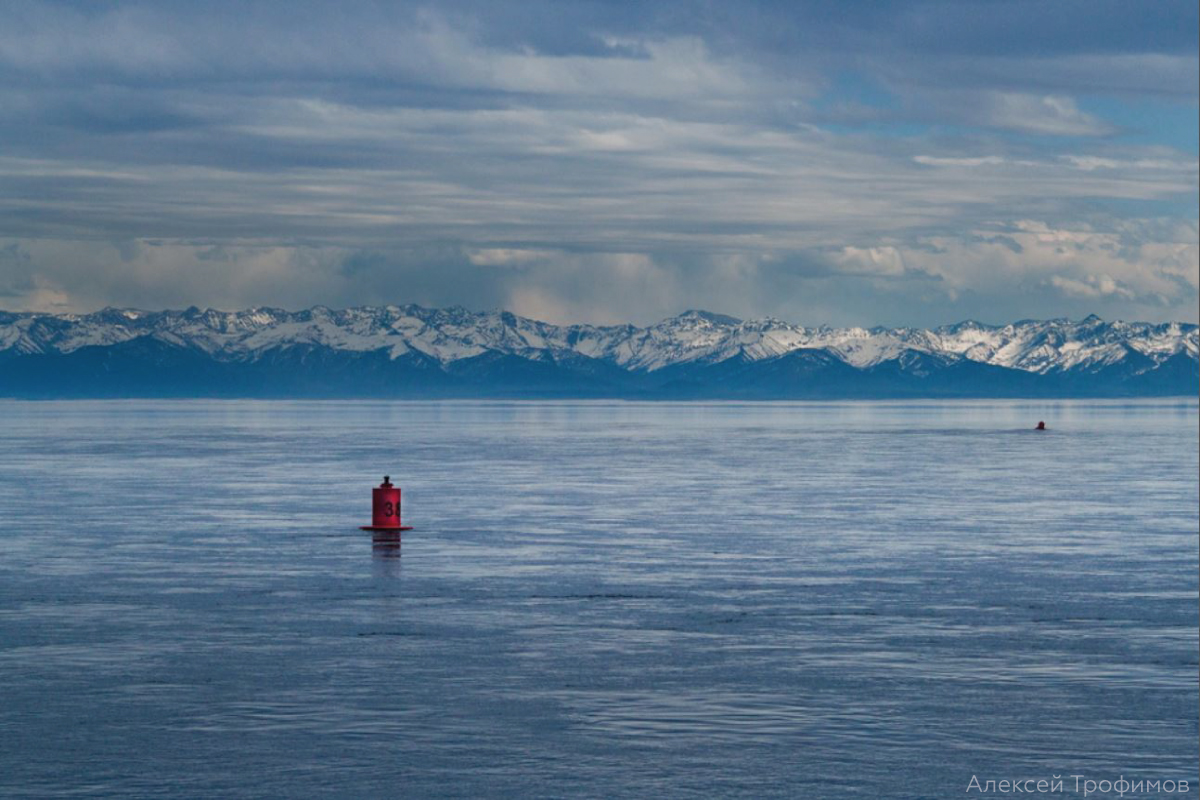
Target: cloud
[[1091, 286], [877, 261], [950, 161], [1027, 268], [508, 257], [1046, 114], [855, 163]]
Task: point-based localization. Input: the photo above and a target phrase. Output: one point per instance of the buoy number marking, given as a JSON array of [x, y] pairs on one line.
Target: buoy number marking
[[389, 509]]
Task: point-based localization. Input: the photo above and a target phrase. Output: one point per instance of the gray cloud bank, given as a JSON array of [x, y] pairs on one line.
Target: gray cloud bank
[[846, 163]]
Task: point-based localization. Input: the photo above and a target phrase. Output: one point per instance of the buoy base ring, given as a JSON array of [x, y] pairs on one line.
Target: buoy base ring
[[385, 527]]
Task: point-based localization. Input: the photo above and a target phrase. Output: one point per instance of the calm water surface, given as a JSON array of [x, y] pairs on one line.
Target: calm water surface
[[599, 599]]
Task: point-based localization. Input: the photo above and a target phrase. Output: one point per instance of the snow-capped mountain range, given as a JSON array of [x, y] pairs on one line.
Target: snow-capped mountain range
[[411, 350]]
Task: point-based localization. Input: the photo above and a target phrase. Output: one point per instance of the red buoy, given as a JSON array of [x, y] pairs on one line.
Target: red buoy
[[385, 508]]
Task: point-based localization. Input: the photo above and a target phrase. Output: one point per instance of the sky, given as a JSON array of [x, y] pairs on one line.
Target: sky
[[844, 163]]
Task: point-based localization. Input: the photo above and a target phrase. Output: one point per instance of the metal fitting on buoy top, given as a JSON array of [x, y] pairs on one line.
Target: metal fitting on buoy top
[[385, 508]]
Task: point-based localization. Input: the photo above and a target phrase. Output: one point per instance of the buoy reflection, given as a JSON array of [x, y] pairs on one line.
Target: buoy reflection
[[385, 544]]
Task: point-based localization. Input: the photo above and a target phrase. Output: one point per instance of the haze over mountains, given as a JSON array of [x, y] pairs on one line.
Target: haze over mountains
[[411, 351]]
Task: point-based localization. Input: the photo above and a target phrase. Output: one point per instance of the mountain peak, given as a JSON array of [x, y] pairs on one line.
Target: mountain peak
[[708, 316]]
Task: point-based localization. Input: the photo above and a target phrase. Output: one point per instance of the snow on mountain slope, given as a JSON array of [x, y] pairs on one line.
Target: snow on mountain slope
[[452, 334]]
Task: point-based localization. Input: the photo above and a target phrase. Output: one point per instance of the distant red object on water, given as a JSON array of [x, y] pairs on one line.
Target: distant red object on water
[[385, 508], [1041, 426]]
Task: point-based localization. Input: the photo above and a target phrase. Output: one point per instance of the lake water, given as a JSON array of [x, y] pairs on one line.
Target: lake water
[[599, 599]]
